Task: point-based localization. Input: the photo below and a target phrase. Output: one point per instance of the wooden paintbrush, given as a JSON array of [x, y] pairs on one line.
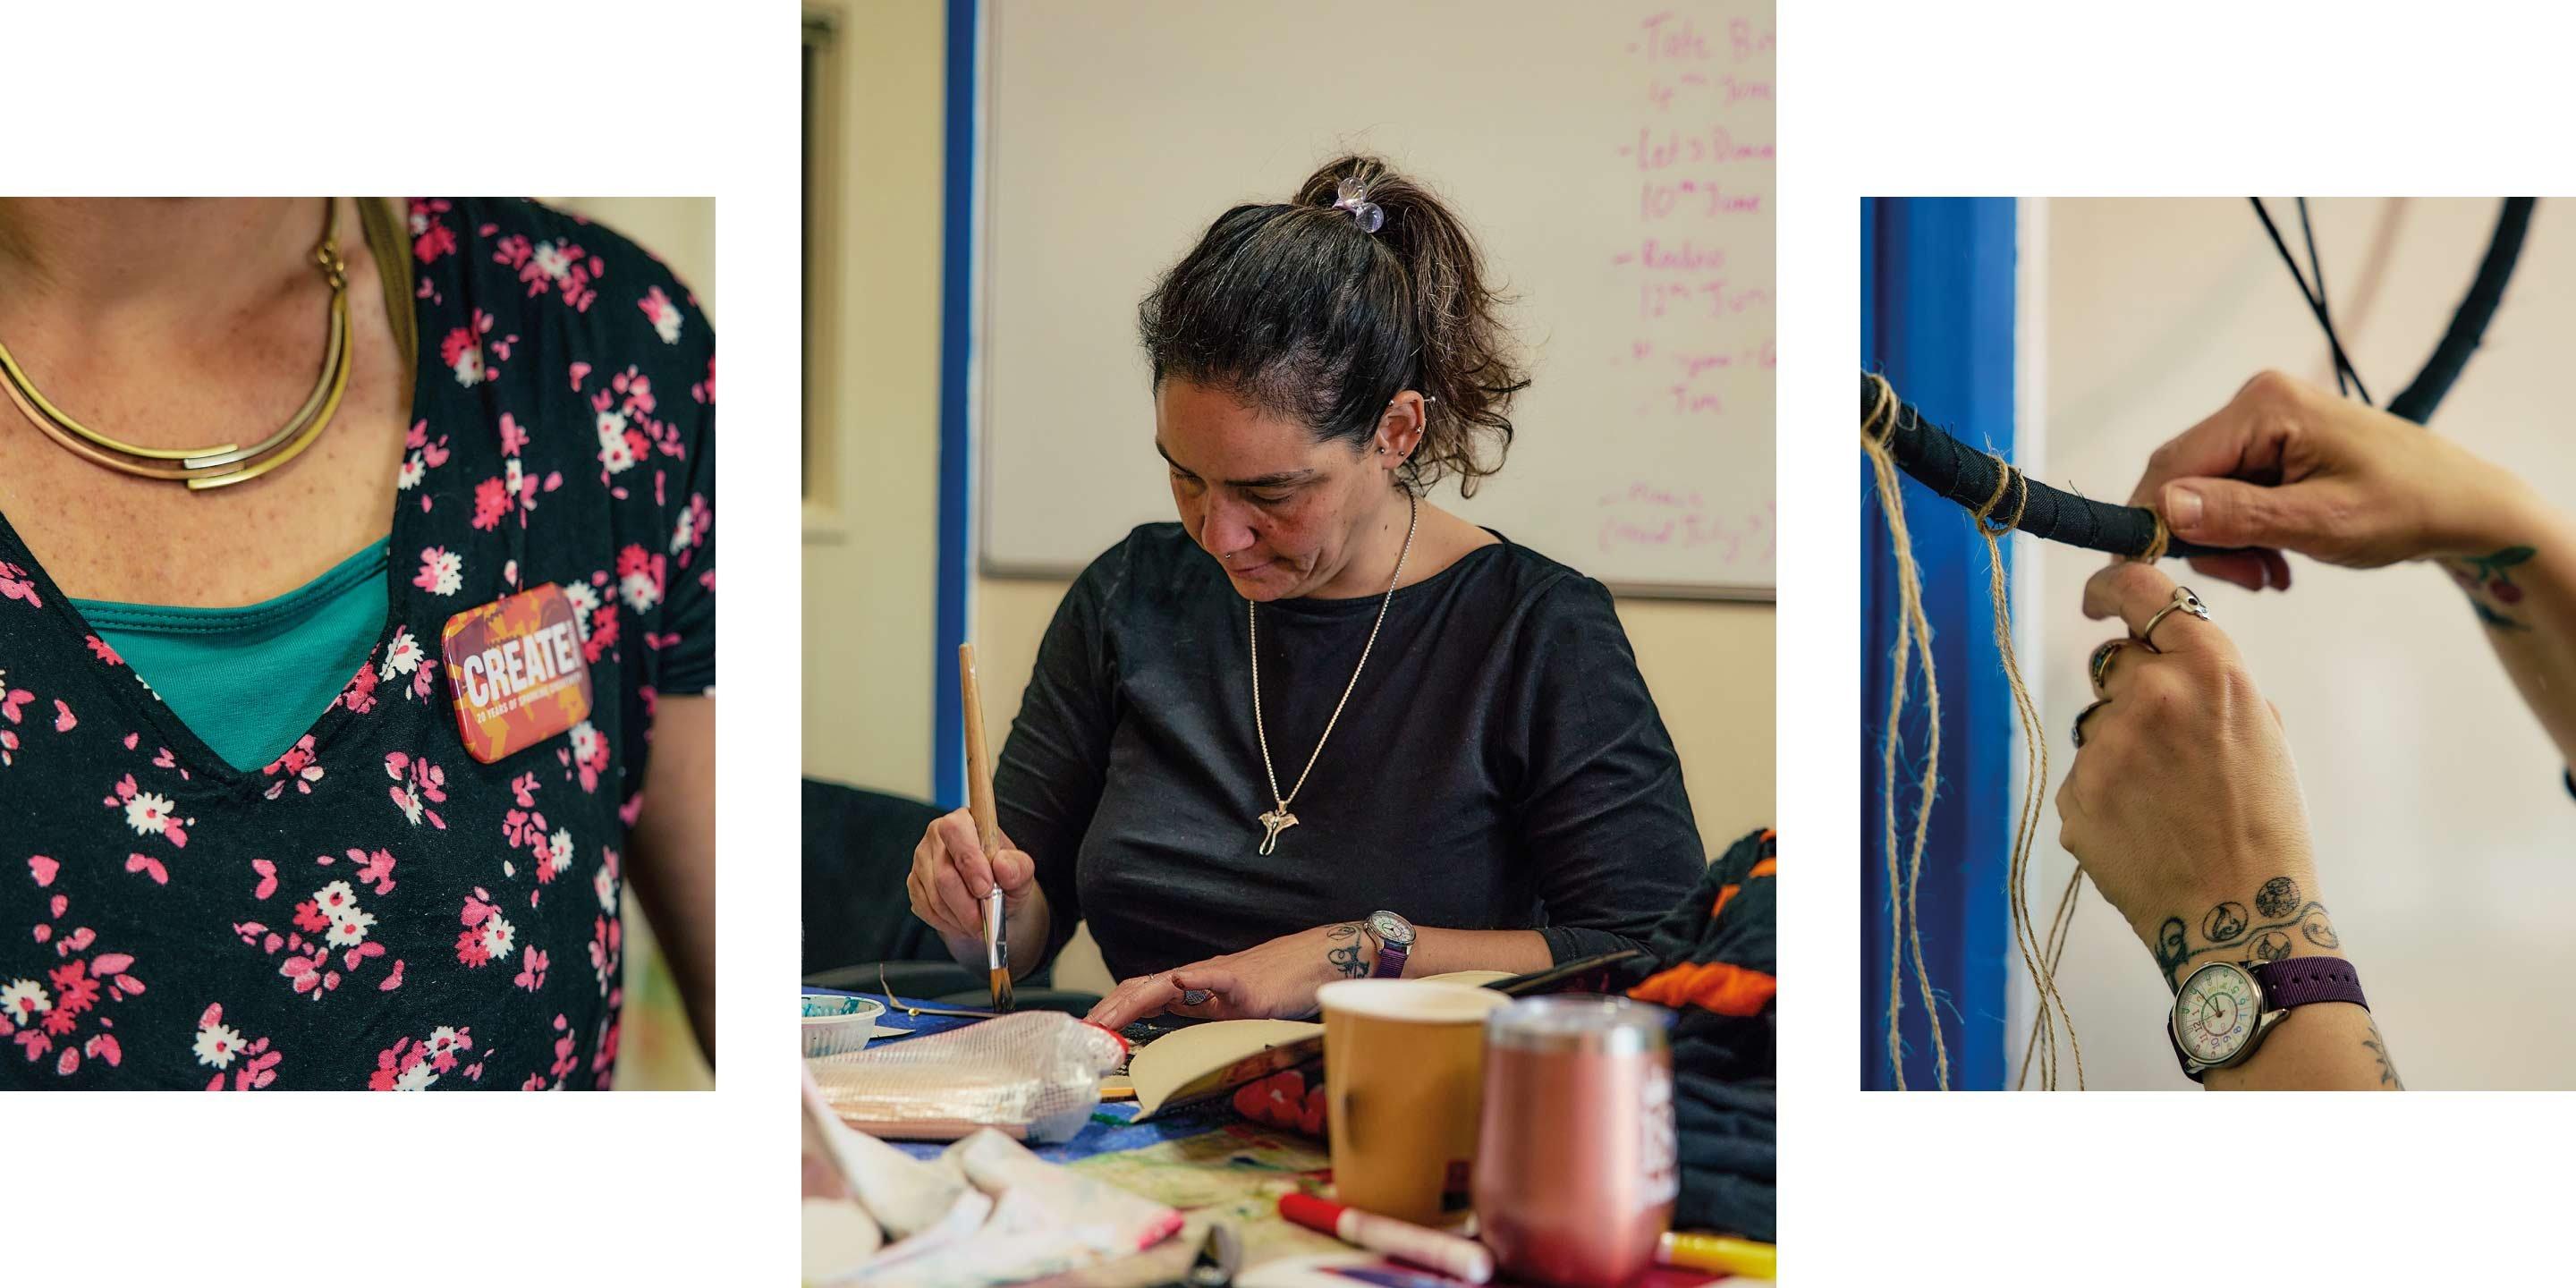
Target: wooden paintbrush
[[988, 829]]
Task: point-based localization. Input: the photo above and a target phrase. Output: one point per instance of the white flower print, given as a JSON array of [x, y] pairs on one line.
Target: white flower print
[[469, 365], [442, 1041], [551, 260], [498, 936], [22, 1000], [640, 590], [217, 1044], [585, 601], [665, 315], [585, 742], [148, 813], [350, 930], [685, 532], [442, 571], [416, 1078], [605, 886], [408, 801], [402, 657], [413, 469], [615, 451], [559, 850], [336, 900]]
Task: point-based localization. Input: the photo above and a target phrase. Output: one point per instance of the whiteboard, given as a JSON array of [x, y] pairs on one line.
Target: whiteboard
[[1615, 160]]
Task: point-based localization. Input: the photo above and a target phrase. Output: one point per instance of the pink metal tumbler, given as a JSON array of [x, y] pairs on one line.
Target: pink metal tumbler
[[1575, 1162]]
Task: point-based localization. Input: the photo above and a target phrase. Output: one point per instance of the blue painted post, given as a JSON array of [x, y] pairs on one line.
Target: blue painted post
[[957, 303], [1937, 282]]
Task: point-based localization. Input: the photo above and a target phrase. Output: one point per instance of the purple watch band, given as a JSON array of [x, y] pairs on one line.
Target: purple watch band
[[2297, 981], [1390, 961]]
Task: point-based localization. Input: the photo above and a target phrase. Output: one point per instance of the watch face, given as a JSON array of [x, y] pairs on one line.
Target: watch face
[[2215, 1013], [1391, 928]]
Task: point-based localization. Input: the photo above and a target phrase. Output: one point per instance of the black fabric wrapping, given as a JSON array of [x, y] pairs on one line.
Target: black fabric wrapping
[[1725, 1081]]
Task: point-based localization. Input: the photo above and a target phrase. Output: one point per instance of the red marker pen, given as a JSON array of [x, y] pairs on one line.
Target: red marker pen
[[1457, 1258]]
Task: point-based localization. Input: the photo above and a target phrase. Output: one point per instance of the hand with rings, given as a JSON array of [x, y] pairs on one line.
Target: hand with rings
[[1276, 979], [2182, 796]]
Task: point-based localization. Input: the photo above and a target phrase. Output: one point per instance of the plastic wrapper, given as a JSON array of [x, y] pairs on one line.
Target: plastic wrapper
[[1031, 1076]]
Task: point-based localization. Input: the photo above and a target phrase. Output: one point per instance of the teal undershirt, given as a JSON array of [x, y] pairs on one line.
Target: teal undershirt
[[249, 681]]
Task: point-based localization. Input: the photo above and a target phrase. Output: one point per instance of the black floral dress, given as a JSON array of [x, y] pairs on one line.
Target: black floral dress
[[376, 908]]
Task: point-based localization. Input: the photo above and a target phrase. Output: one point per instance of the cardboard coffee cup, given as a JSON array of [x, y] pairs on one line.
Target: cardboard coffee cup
[[1404, 1070]]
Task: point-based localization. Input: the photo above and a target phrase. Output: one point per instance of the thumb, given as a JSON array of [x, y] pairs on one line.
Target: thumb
[[2230, 513], [1012, 871]]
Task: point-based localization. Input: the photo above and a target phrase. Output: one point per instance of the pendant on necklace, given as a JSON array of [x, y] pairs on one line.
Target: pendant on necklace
[[1273, 823]]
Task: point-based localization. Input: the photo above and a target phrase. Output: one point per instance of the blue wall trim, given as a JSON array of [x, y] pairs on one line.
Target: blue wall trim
[[1937, 279], [956, 500]]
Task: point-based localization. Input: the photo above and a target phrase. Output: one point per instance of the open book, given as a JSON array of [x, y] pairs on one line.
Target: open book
[[1205, 1061]]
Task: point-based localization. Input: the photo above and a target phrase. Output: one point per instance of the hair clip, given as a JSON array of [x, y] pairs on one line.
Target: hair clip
[[1348, 195]]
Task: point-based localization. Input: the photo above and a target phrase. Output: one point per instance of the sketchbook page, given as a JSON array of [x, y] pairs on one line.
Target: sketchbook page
[[1208, 1053]]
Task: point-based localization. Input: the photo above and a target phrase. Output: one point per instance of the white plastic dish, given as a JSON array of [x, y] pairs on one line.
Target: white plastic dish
[[843, 1025]]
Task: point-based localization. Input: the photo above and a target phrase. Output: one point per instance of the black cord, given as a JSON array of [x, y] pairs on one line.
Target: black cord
[[2317, 272], [1970, 478], [2315, 304]]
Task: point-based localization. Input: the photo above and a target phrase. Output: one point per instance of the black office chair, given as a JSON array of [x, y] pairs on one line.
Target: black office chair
[[858, 920]]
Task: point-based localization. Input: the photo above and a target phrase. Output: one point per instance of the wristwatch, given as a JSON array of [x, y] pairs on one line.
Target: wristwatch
[[2224, 1010], [1394, 943]]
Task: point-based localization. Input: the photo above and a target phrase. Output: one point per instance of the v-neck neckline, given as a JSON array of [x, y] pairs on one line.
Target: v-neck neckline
[[197, 761]]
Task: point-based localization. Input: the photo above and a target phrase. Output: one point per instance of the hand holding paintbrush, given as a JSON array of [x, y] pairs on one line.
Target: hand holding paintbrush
[[988, 830]]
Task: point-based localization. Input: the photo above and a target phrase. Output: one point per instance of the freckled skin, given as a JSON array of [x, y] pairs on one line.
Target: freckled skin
[[228, 362]]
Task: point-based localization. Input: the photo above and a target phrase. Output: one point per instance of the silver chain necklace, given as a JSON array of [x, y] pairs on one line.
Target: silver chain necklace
[[1280, 820]]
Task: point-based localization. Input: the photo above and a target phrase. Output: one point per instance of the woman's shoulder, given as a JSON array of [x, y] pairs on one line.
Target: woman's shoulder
[[1544, 587], [1153, 559], [532, 259]]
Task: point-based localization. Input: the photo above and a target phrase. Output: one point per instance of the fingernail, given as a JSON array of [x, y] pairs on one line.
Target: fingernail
[[2182, 508]]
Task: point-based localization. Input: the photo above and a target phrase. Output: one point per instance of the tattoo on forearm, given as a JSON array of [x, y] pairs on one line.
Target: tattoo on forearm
[[2387, 1069], [2228, 928], [1346, 952], [2490, 578]]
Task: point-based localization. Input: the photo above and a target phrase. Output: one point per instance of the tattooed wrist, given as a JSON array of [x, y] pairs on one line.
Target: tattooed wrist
[[2378, 1047], [1346, 950], [2276, 922], [2488, 582]]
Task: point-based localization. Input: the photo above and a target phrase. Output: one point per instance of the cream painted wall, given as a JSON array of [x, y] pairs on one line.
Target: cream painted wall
[[2440, 824], [871, 530]]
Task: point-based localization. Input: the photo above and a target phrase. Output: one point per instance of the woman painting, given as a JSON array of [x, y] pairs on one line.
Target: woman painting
[[1321, 727]]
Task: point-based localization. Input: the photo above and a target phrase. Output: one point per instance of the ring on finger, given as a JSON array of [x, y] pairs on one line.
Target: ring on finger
[[2100, 667], [2183, 599], [2080, 717]]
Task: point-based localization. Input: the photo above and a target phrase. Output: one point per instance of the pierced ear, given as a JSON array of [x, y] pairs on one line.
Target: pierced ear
[[1399, 430]]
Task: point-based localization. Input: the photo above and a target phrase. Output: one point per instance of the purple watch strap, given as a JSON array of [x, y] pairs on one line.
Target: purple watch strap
[[1390, 961], [2297, 981]]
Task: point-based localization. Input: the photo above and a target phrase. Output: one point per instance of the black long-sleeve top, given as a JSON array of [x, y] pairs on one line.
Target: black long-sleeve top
[[1500, 766]]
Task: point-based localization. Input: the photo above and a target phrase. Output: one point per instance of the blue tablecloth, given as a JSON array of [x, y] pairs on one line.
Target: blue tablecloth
[[1112, 1129]]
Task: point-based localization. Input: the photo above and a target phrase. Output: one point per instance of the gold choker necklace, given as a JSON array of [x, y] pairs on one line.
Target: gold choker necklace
[[223, 464]]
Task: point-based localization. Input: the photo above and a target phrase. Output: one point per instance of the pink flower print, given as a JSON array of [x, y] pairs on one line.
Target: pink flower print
[[220, 1045], [311, 972], [424, 680], [22, 1001], [15, 583], [446, 1045], [360, 696], [267, 878], [603, 882], [532, 973], [441, 571], [552, 266], [404, 1066], [705, 390], [588, 754], [486, 935], [64, 721], [491, 501], [524, 788], [664, 314], [12, 700], [514, 436], [8, 748], [639, 578], [148, 866], [636, 390], [605, 933], [696, 519], [376, 868], [99, 649], [418, 785], [430, 235], [462, 352], [43, 869], [310, 918], [296, 766]]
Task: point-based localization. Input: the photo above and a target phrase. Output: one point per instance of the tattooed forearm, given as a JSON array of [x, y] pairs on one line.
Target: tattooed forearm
[[2378, 1046], [1345, 951], [2229, 928], [2489, 582]]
